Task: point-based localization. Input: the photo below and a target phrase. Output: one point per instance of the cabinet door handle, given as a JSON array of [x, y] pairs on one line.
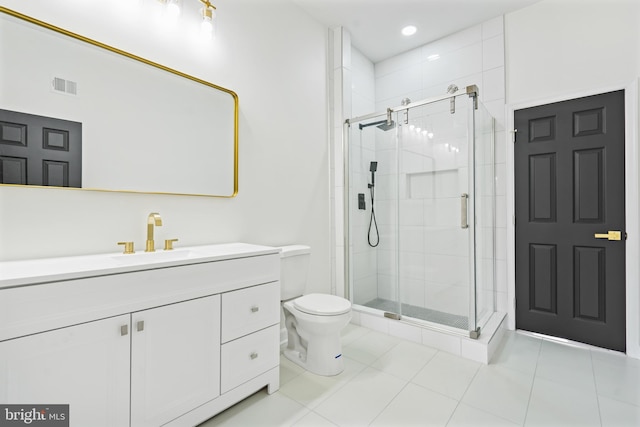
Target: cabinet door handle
[[253, 355], [124, 330], [140, 325], [255, 309]]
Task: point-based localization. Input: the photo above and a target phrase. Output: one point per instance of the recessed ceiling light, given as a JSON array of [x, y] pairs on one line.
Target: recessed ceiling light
[[409, 30]]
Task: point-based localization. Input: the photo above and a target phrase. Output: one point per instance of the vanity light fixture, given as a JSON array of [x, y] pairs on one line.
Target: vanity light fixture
[[208, 13], [208, 18]]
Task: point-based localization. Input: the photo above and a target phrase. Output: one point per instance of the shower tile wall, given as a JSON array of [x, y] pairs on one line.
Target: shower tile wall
[[431, 270], [365, 261]]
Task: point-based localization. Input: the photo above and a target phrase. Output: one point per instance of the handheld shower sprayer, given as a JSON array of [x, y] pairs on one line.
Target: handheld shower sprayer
[[373, 166]]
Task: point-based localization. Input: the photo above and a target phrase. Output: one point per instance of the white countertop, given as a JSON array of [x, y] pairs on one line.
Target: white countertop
[[46, 270]]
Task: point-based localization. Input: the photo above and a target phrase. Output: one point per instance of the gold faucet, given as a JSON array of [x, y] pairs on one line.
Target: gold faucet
[[153, 219]]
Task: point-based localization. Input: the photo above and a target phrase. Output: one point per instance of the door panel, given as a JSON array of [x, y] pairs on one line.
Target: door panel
[[38, 150], [569, 185], [175, 360]]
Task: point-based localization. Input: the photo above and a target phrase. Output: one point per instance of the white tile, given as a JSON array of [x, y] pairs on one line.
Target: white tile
[[518, 352], [310, 389], [493, 84], [474, 350], [466, 416], [398, 62], [501, 243], [313, 420], [493, 27], [346, 48], [405, 360], [447, 374], [397, 83], [614, 413], [453, 42], [415, 406], [361, 400], [493, 53], [288, 370], [368, 348], [353, 331], [406, 332], [617, 377], [555, 404], [495, 108], [260, 409], [503, 393], [566, 365], [500, 391]]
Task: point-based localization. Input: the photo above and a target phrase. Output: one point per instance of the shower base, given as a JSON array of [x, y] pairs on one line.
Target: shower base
[[422, 313], [452, 340]]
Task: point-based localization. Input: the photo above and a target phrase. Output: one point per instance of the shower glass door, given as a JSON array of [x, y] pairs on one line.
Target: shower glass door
[[421, 213], [435, 228]]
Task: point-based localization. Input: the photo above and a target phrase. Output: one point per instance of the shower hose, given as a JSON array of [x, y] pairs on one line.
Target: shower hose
[[372, 222]]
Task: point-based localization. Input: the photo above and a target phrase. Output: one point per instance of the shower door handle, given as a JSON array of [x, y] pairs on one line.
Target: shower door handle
[[464, 223]]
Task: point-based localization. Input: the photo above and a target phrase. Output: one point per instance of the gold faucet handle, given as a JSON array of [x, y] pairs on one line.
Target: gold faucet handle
[[168, 244], [128, 247]]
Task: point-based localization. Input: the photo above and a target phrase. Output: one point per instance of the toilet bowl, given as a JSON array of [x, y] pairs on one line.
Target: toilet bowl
[[314, 321]]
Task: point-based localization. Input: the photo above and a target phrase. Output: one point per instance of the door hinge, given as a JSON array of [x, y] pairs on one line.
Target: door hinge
[[513, 135]]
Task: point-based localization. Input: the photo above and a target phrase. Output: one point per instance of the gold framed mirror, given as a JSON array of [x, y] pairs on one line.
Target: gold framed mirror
[[146, 127]]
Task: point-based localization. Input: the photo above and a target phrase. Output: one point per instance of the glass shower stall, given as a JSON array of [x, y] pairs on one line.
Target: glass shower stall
[[420, 212]]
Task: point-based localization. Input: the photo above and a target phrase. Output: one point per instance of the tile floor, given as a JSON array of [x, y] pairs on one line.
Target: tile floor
[[388, 381]]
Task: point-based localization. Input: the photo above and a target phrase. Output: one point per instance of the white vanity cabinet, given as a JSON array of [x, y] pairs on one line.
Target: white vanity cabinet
[[86, 366], [146, 345], [250, 333], [175, 360]]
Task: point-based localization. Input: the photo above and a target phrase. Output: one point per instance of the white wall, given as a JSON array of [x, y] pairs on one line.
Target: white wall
[[558, 47], [280, 77], [562, 49]]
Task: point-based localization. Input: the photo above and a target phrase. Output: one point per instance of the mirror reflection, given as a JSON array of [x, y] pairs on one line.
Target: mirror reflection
[[144, 127]]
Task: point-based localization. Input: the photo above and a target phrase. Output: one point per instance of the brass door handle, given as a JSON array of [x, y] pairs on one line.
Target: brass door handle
[[611, 235]]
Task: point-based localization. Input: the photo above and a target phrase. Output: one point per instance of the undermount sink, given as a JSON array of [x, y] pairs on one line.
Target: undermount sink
[[158, 256]]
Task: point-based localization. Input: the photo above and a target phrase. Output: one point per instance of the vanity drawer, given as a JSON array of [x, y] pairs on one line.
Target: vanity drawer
[[248, 357], [247, 310]]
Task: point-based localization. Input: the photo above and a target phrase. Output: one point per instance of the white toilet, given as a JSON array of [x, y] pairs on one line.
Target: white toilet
[[313, 321]]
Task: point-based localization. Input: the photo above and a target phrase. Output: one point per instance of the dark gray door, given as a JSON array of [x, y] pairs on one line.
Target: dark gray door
[[39, 150], [569, 194]]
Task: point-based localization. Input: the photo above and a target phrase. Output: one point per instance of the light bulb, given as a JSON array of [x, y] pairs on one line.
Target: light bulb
[[173, 8], [207, 25]]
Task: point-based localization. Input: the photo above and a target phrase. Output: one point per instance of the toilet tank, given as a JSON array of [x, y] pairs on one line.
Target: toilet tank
[[294, 267]]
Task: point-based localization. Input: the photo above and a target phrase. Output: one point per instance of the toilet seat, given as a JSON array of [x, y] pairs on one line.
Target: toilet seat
[[322, 305]]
